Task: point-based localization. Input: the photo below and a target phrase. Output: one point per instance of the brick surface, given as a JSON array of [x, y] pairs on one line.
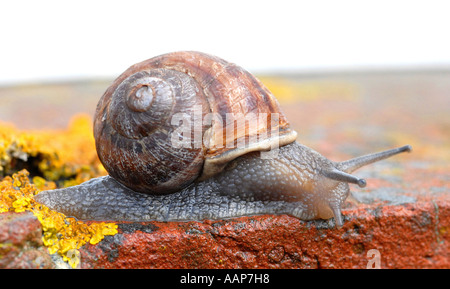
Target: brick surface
[[406, 236], [21, 242]]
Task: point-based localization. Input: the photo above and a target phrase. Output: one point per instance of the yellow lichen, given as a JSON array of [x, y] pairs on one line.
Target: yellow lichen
[[66, 156], [57, 158], [61, 234]]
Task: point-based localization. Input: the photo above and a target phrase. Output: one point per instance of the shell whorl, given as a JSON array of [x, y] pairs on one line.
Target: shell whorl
[[141, 97], [133, 131], [140, 104]]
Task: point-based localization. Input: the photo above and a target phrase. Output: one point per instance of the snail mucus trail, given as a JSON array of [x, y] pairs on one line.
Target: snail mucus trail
[[149, 179]]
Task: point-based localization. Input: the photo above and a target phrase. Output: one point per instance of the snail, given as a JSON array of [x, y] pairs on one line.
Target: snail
[[168, 133]]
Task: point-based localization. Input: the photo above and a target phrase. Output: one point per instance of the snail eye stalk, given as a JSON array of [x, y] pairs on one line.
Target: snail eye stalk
[[345, 168], [354, 164], [341, 176]]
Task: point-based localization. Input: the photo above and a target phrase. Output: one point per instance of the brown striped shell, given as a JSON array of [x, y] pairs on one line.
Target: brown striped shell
[[138, 117]]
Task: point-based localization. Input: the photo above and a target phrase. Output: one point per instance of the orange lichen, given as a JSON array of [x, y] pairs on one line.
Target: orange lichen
[[66, 156], [61, 234], [55, 158]]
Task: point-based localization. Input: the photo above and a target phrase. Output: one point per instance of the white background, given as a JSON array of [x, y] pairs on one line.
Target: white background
[[54, 40]]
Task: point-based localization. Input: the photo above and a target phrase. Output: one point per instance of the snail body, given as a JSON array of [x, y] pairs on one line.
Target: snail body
[[217, 175]]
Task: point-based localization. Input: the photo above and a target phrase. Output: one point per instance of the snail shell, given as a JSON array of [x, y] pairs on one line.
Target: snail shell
[[134, 129]]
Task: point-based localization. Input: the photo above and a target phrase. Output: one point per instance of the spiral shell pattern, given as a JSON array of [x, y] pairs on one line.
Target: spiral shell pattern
[[133, 135], [141, 103]]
